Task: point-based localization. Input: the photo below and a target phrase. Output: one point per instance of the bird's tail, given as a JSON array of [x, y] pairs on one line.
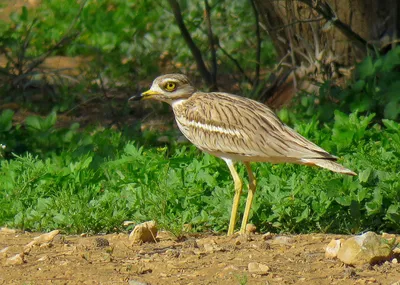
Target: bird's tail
[[328, 164]]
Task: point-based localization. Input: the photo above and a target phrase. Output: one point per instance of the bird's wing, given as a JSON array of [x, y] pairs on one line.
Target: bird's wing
[[225, 123]]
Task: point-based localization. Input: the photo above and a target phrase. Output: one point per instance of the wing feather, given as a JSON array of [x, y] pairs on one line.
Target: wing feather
[[222, 123]]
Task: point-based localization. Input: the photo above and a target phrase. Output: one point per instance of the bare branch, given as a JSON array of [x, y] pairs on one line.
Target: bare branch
[[258, 51], [212, 44], [236, 63], [67, 38], [176, 9], [297, 22], [324, 9]]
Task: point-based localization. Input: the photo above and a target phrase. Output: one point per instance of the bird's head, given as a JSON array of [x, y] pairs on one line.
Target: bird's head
[[168, 88]]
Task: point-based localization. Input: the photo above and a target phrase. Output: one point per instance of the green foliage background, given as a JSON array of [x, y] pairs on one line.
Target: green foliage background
[[92, 179]]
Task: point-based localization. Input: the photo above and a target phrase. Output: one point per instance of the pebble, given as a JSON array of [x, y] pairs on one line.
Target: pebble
[[101, 242], [258, 268], [210, 248], [395, 261], [250, 229], [332, 249], [144, 232], [15, 260], [42, 239], [283, 240], [367, 248], [3, 252], [6, 230], [267, 236]]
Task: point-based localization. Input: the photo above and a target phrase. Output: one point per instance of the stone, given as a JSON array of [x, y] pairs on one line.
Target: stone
[[250, 229], [3, 252], [6, 230], [212, 247], [258, 268], [282, 240], [15, 260], [368, 248], [42, 239], [332, 248], [101, 242], [128, 223], [395, 261], [144, 232], [267, 236]]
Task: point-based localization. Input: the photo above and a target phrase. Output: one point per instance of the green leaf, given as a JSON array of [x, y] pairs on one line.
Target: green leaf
[[24, 14], [6, 120], [33, 123], [366, 68], [364, 175]]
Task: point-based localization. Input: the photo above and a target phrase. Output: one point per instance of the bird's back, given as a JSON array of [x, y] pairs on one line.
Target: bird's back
[[235, 127]]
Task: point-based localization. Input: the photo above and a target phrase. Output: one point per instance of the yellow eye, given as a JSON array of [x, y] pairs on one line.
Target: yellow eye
[[170, 86]]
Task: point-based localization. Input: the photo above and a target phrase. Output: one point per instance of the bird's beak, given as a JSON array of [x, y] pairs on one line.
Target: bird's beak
[[145, 95]]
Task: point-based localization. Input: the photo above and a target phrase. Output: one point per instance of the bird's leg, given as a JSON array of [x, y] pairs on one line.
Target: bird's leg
[[236, 198], [250, 195]]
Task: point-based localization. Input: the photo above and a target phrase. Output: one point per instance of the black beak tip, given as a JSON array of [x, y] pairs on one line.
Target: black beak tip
[[135, 97]]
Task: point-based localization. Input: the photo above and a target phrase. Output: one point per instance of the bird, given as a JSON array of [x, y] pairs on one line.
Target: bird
[[236, 129]]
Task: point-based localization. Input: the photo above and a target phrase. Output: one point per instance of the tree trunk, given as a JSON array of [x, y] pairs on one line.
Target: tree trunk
[[322, 40]]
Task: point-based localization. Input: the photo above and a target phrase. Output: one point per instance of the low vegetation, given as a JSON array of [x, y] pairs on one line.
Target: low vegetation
[[91, 179], [96, 179]]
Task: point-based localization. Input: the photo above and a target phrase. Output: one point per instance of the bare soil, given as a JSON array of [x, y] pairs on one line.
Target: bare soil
[[201, 259]]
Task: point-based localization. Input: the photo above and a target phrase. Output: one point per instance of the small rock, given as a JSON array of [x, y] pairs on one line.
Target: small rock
[[211, 248], [6, 230], [258, 268], [396, 250], [46, 245], [283, 240], [48, 237], [3, 252], [128, 223], [332, 249], [250, 229], [44, 238], [363, 249], [101, 242], [172, 253], [15, 260], [395, 261], [267, 236], [144, 232], [190, 243]]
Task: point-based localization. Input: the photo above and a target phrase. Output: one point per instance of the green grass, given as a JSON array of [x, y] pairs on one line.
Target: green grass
[[92, 181]]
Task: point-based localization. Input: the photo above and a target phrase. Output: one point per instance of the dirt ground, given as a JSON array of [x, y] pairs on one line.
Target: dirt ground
[[201, 259]]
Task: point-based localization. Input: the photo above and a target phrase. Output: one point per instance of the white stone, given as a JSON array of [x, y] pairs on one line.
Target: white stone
[[258, 268], [144, 232], [363, 249], [332, 249]]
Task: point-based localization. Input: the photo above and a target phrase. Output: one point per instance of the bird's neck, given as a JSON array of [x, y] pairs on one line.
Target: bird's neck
[[178, 102]]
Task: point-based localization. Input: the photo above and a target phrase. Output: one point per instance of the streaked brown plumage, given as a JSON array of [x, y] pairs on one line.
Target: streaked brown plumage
[[236, 129]]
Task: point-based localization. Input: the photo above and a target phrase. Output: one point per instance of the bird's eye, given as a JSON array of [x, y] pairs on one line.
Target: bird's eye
[[170, 86]]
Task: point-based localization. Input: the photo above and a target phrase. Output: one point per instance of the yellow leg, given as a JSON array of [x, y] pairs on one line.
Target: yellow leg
[[236, 198], [250, 195]]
